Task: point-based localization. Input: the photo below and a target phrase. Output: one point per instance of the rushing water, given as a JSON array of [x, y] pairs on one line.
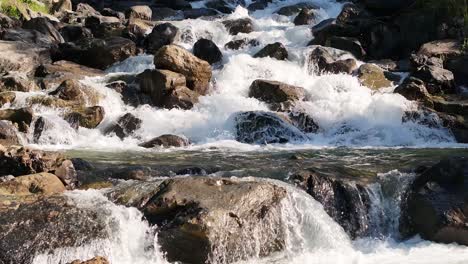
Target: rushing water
[[368, 123]]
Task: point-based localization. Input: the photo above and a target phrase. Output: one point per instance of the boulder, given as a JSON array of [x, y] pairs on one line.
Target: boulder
[[26, 223], [372, 76], [199, 217], [88, 117], [8, 134], [181, 97], [104, 26], [139, 12], [241, 43], [43, 25], [52, 75], [273, 92], [22, 117], [166, 141], [257, 127], [136, 31], [8, 22], [41, 183], [61, 6], [323, 61], [22, 57], [113, 13], [126, 125], [437, 79], [435, 206], [158, 84], [294, 9], [305, 17], [242, 25], [414, 89], [17, 81], [162, 34], [303, 121], [344, 200], [258, 5], [275, 50], [207, 50], [72, 33], [96, 260], [197, 72], [97, 53]]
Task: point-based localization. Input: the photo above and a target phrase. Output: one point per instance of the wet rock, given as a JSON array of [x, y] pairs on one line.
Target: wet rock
[[322, 59], [7, 98], [276, 50], [97, 53], [52, 75], [452, 107], [40, 126], [242, 25], [352, 45], [96, 260], [68, 90], [125, 126], [275, 92], [303, 121], [43, 25], [194, 214], [305, 17], [158, 84], [16, 81], [81, 164], [88, 117], [258, 127], [196, 71], [199, 12], [136, 31], [294, 9], [166, 141], [67, 174], [259, 5], [436, 205], [437, 79], [241, 43], [223, 6], [347, 203], [22, 117], [42, 183], [162, 34], [72, 33], [8, 134], [104, 26], [414, 89], [181, 97], [459, 67], [139, 12], [444, 49], [372, 76], [17, 161], [26, 224], [21, 57], [207, 50], [113, 13]]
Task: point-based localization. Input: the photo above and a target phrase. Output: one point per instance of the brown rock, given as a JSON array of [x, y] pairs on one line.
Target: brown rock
[[41, 183], [166, 141], [88, 117], [275, 92], [373, 77]]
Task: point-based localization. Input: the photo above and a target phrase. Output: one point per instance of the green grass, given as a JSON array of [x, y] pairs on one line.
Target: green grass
[[15, 8]]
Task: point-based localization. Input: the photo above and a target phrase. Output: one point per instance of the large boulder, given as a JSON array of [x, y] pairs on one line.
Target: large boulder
[[275, 50], [414, 89], [273, 92], [257, 127], [197, 72], [346, 201], [97, 53], [139, 12], [207, 50], [181, 97], [202, 219], [158, 84], [41, 183], [52, 75], [31, 226], [22, 57], [162, 34], [88, 117], [43, 25], [242, 25], [166, 141], [436, 205]]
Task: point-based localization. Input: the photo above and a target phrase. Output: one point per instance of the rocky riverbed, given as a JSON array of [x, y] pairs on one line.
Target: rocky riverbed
[[232, 131]]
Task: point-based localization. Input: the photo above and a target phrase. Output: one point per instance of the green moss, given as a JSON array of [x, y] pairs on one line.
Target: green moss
[[15, 8]]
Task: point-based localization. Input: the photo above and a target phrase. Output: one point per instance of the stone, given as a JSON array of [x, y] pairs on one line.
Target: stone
[[158, 84], [435, 206], [207, 50], [97, 53], [294, 9], [275, 50], [67, 174], [322, 60], [60, 71], [95, 260], [303, 121], [373, 77], [181, 97], [197, 72], [437, 79], [413, 89], [104, 26], [61, 6], [125, 126], [136, 31], [242, 25], [447, 48], [8, 134], [42, 183], [162, 34], [87, 117], [17, 81], [305, 17], [21, 57], [352, 45], [43, 25], [166, 141], [72, 33], [22, 117], [196, 214], [459, 67], [257, 127], [7, 98], [275, 92], [241, 43], [143, 12]]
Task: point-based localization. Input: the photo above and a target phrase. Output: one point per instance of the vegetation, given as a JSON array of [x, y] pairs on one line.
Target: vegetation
[[15, 8]]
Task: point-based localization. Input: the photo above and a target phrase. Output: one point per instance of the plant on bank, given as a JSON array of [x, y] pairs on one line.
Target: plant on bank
[[15, 8]]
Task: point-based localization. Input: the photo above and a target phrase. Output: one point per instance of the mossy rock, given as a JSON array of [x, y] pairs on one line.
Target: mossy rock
[[373, 77]]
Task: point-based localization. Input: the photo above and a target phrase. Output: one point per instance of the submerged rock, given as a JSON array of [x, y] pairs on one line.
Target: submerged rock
[[436, 205], [242, 25], [212, 219], [276, 50], [258, 127], [166, 141]]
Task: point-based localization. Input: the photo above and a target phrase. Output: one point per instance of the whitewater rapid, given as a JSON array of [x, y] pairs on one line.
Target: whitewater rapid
[[311, 235], [347, 113]]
